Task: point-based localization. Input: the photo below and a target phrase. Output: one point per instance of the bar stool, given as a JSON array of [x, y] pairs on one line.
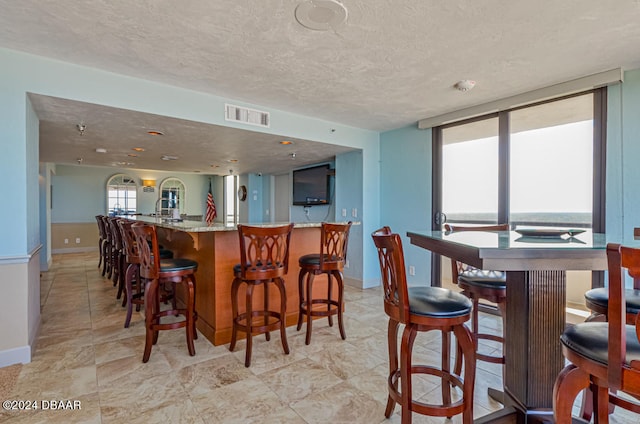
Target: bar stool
[[107, 254], [156, 271], [597, 300], [132, 273], [117, 256], [264, 259], [101, 238], [604, 357], [423, 308], [331, 259], [478, 284]]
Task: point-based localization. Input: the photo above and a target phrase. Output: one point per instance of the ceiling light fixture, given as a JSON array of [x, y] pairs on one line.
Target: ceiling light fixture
[[101, 150], [81, 127], [321, 15], [168, 157], [464, 85], [154, 132], [286, 142], [138, 149]]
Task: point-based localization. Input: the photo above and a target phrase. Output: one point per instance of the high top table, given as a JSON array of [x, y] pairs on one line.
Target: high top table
[[536, 282]]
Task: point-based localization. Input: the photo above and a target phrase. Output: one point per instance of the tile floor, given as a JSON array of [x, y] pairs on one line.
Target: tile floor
[[83, 353]]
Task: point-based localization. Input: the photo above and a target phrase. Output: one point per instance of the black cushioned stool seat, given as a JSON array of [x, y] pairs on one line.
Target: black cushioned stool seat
[[484, 278], [590, 339], [438, 302], [600, 297]]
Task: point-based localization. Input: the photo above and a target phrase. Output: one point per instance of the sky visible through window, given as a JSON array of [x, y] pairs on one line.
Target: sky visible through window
[[551, 172]]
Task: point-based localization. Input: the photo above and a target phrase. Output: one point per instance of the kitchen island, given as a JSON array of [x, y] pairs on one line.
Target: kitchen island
[[216, 249]]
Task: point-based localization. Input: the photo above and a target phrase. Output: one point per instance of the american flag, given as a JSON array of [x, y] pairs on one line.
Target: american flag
[[211, 207]]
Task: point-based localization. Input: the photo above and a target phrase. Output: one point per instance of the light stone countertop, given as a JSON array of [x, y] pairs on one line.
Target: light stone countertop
[[200, 226]]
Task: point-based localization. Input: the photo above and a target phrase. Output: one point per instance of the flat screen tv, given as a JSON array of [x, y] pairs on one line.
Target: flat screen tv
[[311, 186]]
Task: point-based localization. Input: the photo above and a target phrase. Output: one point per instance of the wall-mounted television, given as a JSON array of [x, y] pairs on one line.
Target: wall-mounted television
[[311, 186]]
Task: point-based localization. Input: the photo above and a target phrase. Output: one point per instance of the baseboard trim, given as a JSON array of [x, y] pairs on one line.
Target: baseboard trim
[[74, 250], [15, 356]]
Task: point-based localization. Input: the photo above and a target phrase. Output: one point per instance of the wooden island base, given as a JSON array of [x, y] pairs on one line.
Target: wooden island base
[[216, 253]]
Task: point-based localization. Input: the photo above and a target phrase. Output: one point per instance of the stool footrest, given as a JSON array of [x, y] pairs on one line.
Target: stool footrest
[[335, 306], [435, 410]]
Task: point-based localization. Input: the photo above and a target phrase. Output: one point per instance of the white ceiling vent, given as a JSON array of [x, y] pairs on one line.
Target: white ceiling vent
[[246, 116]]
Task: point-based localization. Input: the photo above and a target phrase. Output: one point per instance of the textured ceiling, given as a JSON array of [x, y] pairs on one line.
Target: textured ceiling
[[393, 62]]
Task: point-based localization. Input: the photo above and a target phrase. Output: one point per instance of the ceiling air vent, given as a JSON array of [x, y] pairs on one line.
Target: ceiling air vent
[[246, 116]]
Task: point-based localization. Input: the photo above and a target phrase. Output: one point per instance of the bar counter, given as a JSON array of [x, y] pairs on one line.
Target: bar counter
[[216, 248]]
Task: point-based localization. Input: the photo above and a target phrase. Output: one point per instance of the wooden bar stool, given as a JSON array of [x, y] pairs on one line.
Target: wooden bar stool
[[604, 356], [107, 254], [264, 259], [423, 308], [117, 256], [479, 284], [132, 274], [101, 238], [156, 271], [331, 259]]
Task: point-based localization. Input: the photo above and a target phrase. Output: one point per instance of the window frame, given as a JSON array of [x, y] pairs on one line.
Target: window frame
[[119, 187], [599, 169]]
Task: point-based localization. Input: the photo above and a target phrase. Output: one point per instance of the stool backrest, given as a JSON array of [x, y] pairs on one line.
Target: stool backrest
[[148, 251], [393, 274], [457, 267], [620, 258], [107, 230], [116, 238], [264, 251], [334, 240], [100, 222], [129, 244]]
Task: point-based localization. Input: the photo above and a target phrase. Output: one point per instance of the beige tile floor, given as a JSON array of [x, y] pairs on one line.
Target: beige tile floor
[[83, 353]]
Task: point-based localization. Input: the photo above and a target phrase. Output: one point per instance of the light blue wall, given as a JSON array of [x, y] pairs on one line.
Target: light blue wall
[[348, 196], [79, 192], [22, 73], [405, 173], [623, 157]]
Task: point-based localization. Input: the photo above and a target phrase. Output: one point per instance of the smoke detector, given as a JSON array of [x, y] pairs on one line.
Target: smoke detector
[[321, 15], [464, 85]]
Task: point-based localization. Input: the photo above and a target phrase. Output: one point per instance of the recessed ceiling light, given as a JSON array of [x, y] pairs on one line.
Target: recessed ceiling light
[[154, 132], [138, 149], [232, 160], [215, 166], [286, 142], [321, 15], [101, 150], [168, 157], [132, 155]]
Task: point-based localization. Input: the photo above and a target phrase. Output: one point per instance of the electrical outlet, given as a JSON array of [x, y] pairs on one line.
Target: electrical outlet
[[66, 241], [412, 270], [77, 240], [344, 212], [354, 212]]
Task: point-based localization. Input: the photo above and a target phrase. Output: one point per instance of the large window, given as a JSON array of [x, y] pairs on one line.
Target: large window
[[230, 200], [528, 166], [539, 165], [121, 195]]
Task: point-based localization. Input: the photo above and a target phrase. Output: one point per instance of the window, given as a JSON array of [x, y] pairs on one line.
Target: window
[[541, 164], [230, 203], [529, 166], [172, 197], [121, 195]]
